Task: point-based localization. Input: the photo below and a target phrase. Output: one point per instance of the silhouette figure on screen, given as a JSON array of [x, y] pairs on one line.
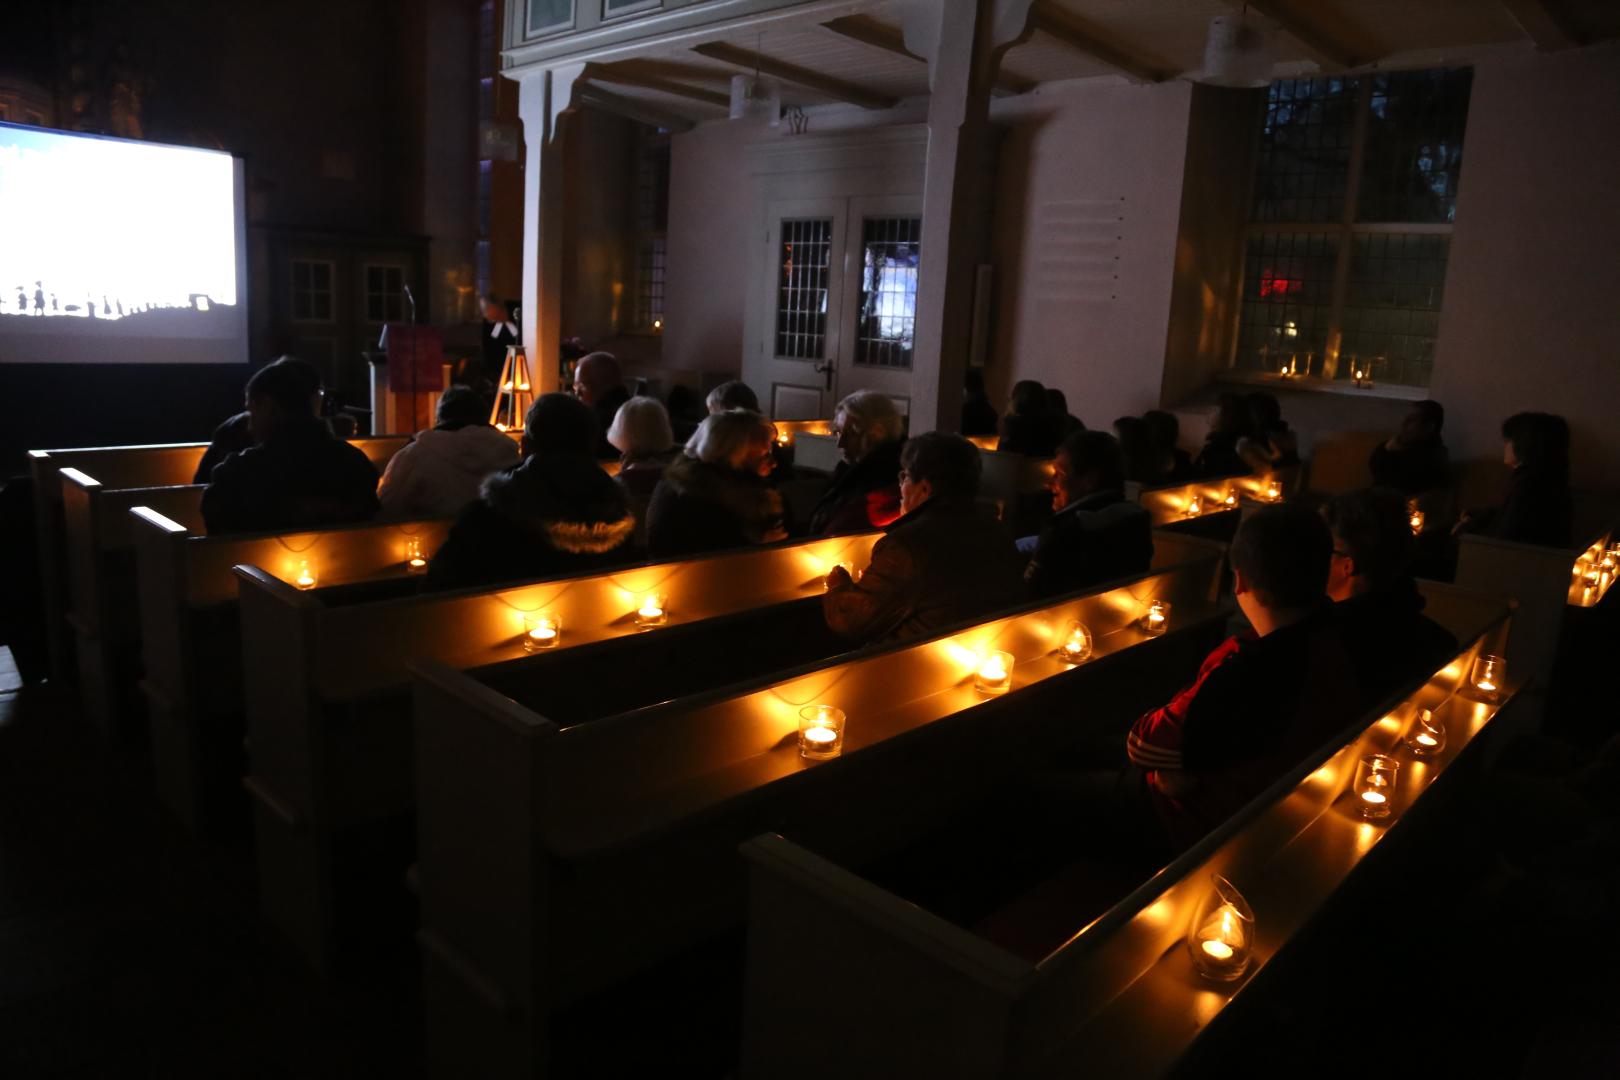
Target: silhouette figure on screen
[[119, 307], [55, 307], [39, 298], [106, 308], [22, 300], [90, 306]]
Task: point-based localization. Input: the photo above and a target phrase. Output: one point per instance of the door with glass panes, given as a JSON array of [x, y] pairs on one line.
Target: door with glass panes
[[841, 300]]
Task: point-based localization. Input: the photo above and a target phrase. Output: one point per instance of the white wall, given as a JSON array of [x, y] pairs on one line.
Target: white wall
[[1531, 315]]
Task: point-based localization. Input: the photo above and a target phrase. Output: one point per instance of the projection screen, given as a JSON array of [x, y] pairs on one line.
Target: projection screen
[[114, 251]]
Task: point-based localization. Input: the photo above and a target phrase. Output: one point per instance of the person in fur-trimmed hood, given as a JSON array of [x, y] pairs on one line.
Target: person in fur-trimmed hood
[[714, 495], [555, 514]]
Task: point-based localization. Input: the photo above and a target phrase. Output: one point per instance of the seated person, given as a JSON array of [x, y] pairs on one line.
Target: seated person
[[735, 394], [1219, 456], [1095, 534], [1270, 443], [599, 383], [1264, 698], [1538, 508], [1141, 462], [1164, 435], [715, 494], [641, 431], [297, 475], [1414, 459], [941, 563], [1063, 422], [556, 513], [440, 471], [864, 493], [1027, 427], [978, 415], [1376, 602], [234, 434]]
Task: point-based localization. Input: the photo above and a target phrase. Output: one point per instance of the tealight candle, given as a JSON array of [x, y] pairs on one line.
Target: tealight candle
[[415, 559], [1157, 619], [1488, 675], [1375, 785], [541, 630], [995, 673], [1221, 937], [1231, 499], [1428, 735], [306, 576], [821, 732], [651, 612], [1077, 644], [1195, 506], [1415, 519], [1273, 491]]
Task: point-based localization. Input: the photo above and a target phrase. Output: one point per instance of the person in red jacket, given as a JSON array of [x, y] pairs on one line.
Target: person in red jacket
[[864, 493]]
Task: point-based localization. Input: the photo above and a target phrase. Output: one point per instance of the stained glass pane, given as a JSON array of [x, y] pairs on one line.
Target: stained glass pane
[[888, 304], [1287, 301]]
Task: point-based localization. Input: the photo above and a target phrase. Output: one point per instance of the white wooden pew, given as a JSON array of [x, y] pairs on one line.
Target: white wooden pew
[[847, 979], [327, 690], [557, 860], [190, 633]]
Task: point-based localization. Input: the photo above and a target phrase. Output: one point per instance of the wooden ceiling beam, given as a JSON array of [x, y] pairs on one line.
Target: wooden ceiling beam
[[1542, 22], [1325, 41], [825, 85], [613, 73], [1074, 33], [868, 31]]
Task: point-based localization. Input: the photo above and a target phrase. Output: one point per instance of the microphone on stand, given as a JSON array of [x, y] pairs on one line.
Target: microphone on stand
[[412, 299]]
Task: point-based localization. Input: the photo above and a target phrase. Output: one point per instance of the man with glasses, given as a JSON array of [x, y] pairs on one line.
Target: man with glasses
[[863, 494]]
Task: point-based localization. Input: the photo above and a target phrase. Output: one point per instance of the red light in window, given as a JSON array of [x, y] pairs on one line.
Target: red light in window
[[1272, 285]]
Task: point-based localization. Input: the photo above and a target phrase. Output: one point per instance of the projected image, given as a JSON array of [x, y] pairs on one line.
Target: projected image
[[105, 242]]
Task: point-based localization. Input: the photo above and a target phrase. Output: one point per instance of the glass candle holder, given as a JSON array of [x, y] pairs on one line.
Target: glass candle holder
[[995, 673], [1221, 937], [1415, 519], [1272, 491], [1195, 507], [1427, 736], [415, 557], [1157, 619], [306, 578], [651, 612], [1076, 645], [541, 631], [1231, 499], [821, 732], [1488, 674], [1375, 785]]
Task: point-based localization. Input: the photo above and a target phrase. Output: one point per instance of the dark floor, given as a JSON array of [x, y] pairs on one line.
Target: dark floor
[[126, 950]]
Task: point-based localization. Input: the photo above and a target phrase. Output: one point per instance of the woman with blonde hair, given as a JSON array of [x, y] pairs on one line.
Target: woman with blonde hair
[[642, 434], [715, 495]]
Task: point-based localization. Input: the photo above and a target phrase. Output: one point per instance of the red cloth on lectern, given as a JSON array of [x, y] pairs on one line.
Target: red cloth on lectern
[[415, 358]]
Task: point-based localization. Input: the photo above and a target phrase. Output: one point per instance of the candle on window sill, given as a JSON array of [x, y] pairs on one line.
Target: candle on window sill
[[651, 612], [821, 732], [1077, 644], [995, 673], [1221, 937], [1428, 735], [541, 630], [1489, 671], [306, 577], [1375, 785], [415, 558], [1157, 619]]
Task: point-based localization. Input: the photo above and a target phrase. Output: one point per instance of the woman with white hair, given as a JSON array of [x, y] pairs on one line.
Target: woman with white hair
[[714, 495], [865, 489], [642, 434]]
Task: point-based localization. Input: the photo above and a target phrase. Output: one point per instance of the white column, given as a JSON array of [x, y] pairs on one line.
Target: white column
[[543, 96], [962, 41]]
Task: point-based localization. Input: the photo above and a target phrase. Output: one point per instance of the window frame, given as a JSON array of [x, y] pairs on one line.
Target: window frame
[[365, 286], [293, 291], [1344, 231]]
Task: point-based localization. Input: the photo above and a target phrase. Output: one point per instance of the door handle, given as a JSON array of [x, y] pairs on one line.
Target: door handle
[[826, 369]]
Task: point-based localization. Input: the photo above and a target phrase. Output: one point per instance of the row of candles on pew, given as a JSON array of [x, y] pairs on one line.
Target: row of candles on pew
[[1197, 507], [1596, 570], [1221, 937], [821, 727]]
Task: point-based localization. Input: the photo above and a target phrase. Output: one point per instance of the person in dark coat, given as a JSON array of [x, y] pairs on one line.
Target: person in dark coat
[[865, 489], [236, 434], [1027, 427], [557, 513], [500, 332], [1061, 421], [1414, 459], [1219, 456], [641, 432], [1538, 508], [1376, 602], [1095, 534], [734, 394], [1142, 462], [1270, 443], [715, 495], [1164, 433], [943, 562], [978, 415], [297, 475], [599, 383]]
